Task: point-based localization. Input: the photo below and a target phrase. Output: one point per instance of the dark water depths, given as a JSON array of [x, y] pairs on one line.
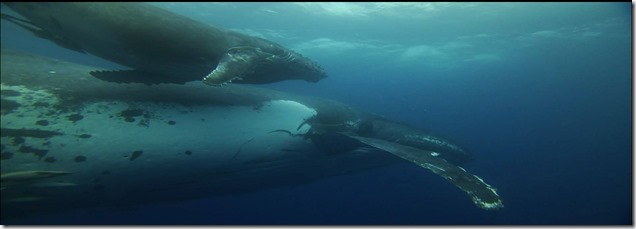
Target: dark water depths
[[540, 92]]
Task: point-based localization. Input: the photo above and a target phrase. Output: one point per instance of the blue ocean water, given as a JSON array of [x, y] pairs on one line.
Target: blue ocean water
[[541, 93]]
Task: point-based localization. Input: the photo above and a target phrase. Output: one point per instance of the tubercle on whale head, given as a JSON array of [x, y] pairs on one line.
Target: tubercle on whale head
[[305, 68], [288, 63], [272, 63], [317, 75]]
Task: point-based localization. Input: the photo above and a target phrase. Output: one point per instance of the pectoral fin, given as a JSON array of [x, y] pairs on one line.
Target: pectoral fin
[[13, 179], [235, 64], [482, 194], [30, 175]]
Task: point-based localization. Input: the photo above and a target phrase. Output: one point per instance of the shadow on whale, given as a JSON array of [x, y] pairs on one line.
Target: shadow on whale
[[70, 141], [161, 46]]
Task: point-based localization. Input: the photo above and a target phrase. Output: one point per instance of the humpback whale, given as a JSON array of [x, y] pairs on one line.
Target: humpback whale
[[93, 143], [161, 46]]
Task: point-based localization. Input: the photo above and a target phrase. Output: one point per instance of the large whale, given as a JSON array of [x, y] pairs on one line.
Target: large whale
[[161, 46], [94, 143]]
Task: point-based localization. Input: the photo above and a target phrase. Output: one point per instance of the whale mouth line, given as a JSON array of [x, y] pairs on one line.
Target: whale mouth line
[[241, 61], [200, 46]]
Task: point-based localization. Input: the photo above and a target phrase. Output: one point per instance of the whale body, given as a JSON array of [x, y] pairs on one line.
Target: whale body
[[161, 46], [92, 143]]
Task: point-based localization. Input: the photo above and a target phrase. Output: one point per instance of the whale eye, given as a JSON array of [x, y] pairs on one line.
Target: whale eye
[[365, 128], [278, 51]]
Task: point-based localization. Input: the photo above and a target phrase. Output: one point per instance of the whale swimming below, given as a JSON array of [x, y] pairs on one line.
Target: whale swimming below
[[161, 46], [92, 143]]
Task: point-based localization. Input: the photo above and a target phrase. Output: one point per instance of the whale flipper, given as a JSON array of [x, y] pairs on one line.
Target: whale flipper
[[482, 194], [71, 141], [169, 47], [234, 65], [30, 175]]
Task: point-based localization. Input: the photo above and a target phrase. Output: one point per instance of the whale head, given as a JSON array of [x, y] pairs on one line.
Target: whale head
[[261, 62]]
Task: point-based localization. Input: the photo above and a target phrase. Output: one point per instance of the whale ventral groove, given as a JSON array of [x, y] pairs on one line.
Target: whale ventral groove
[[222, 141]]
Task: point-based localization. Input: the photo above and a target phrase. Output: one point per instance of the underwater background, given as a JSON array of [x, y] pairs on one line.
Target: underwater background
[[541, 93]]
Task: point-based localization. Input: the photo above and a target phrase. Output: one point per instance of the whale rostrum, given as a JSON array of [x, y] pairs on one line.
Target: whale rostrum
[[161, 46], [70, 140]]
